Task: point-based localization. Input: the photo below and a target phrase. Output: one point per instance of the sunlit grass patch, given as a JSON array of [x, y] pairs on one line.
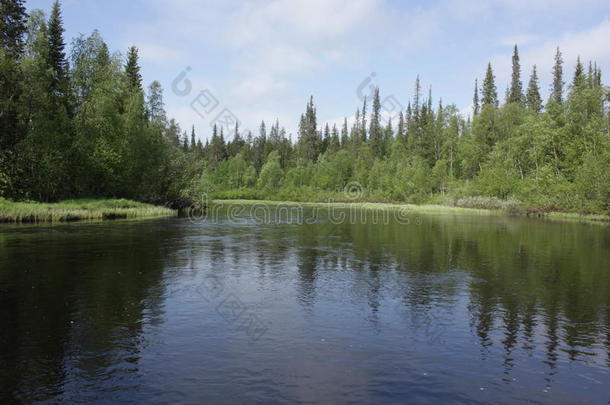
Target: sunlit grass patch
[[78, 210]]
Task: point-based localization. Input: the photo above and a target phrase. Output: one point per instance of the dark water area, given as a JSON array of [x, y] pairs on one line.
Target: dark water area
[[440, 310]]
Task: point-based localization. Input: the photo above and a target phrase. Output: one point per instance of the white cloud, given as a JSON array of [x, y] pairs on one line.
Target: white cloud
[[265, 57], [519, 40], [254, 88], [150, 52]]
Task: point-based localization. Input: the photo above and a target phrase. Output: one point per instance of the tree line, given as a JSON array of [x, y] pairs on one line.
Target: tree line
[[552, 155], [82, 125]]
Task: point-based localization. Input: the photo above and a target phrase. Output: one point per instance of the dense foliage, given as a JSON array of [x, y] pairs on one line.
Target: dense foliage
[[83, 126]]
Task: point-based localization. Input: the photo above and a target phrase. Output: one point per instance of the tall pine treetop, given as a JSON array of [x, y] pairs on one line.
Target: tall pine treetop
[[490, 94], [132, 69], [475, 99], [57, 56], [557, 86], [375, 131], [515, 94], [579, 80], [532, 98]]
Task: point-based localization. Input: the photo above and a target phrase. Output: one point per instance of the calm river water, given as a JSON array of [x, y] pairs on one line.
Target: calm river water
[[271, 308]]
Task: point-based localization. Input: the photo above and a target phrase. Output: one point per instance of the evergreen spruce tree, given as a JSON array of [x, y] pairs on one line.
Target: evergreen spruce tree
[[185, 142], [416, 98], [579, 82], [235, 146], [132, 69], [557, 86], [193, 141], [490, 94], [57, 56], [597, 76], [12, 30], [375, 130], [344, 134], [400, 131], [355, 131], [335, 143], [387, 138], [515, 94], [533, 99], [363, 135], [325, 139], [309, 139], [475, 99], [590, 76], [12, 26]]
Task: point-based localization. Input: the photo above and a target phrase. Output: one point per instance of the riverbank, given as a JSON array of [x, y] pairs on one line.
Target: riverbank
[[429, 208], [78, 210]]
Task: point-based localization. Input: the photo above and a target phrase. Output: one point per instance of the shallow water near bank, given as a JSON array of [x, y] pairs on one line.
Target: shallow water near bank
[[243, 308]]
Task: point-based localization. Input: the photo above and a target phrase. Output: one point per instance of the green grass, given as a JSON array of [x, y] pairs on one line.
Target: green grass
[[428, 208], [77, 210]]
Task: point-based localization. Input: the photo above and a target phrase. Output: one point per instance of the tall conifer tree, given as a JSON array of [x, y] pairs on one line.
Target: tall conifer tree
[[12, 30], [515, 94], [490, 94], [533, 99], [579, 81], [557, 86], [132, 69], [375, 130], [12, 26], [475, 99]]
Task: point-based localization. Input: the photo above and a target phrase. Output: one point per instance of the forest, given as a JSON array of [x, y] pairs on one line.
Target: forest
[[78, 122]]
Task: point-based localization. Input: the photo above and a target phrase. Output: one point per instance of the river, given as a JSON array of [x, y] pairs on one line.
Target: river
[[295, 306]]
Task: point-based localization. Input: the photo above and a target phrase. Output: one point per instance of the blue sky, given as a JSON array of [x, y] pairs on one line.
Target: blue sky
[[262, 59]]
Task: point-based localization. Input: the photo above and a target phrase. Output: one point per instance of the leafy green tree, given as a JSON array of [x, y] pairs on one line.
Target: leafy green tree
[[270, 177], [155, 107], [100, 145], [44, 152]]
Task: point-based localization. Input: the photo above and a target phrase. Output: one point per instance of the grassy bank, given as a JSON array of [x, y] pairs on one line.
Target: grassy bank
[[77, 210], [428, 208]]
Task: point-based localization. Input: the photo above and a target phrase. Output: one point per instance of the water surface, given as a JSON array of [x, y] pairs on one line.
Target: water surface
[[438, 309]]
